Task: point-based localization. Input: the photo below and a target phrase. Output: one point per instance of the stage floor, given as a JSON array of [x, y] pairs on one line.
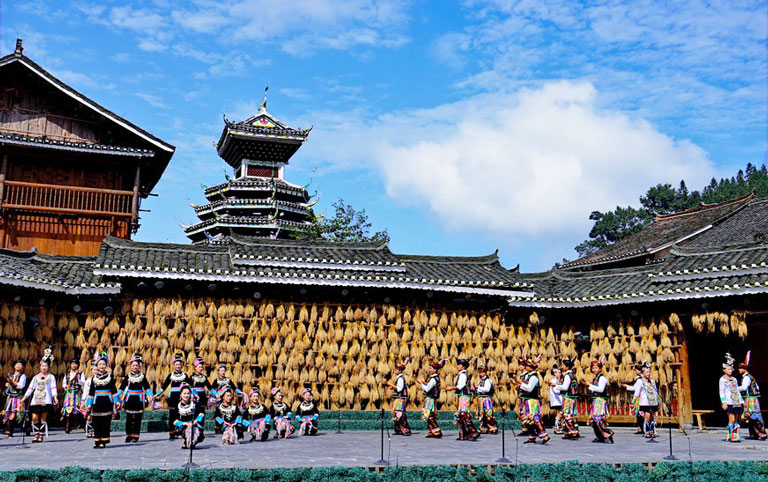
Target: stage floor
[[363, 449]]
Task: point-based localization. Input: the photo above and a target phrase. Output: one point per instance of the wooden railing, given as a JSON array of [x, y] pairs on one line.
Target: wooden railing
[[53, 198]]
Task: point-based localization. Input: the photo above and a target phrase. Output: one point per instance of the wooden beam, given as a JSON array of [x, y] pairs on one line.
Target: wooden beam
[[684, 400], [3, 221], [68, 188], [25, 207], [135, 201]]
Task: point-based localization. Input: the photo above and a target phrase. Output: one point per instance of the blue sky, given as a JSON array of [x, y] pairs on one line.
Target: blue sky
[[460, 126]]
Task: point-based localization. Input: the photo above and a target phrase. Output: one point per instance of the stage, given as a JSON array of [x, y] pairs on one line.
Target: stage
[[362, 449]]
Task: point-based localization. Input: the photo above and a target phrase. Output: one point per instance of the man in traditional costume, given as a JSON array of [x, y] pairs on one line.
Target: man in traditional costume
[[528, 385], [599, 415], [639, 417], [13, 411], [134, 394], [73, 394], [647, 396], [400, 400], [102, 398], [569, 389], [750, 392], [173, 383], [463, 390], [556, 399], [431, 395], [42, 390], [731, 399], [485, 391]]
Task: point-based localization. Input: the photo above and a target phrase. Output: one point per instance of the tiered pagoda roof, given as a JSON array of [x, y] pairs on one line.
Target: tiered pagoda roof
[[258, 201]]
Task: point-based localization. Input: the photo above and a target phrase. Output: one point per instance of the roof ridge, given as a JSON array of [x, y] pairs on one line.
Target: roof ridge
[[493, 257], [725, 248], [298, 243], [704, 207]]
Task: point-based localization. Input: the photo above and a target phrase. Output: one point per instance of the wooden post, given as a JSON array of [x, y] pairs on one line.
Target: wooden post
[[684, 400], [135, 202], [3, 220]]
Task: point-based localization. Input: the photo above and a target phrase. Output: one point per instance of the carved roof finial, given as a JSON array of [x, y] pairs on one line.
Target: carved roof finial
[[19, 48], [263, 105]]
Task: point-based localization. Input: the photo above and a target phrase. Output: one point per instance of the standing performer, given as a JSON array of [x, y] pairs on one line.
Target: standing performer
[[73, 395], [42, 388], [400, 400], [647, 395], [530, 411], [101, 401], [200, 383], [431, 394], [307, 414], [84, 406], [13, 412], [463, 390], [730, 399], [228, 417], [174, 380], [220, 384], [256, 417], [281, 415], [599, 416], [134, 393], [556, 399], [190, 418], [484, 391], [750, 391], [639, 417], [569, 388]]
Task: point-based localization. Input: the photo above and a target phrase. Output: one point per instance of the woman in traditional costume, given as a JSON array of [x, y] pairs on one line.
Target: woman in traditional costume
[[400, 400], [173, 383], [200, 383], [431, 389], [44, 395], [750, 392], [647, 396], [189, 422], [556, 399], [102, 398], [569, 389], [484, 391], [134, 395], [528, 385], [256, 417], [463, 390], [307, 413], [219, 385], [281, 414], [73, 395], [83, 405], [13, 411], [599, 414], [731, 399], [228, 417]]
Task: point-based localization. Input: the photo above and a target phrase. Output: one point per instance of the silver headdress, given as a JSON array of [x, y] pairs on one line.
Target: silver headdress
[[729, 361], [47, 355]]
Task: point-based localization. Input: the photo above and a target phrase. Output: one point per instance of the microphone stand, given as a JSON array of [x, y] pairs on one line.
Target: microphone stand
[[381, 461], [23, 428], [503, 459], [190, 464]]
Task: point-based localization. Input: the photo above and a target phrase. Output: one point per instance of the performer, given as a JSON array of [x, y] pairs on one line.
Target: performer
[[485, 391], [228, 417], [256, 417], [400, 400], [556, 398], [200, 383], [307, 413], [134, 394], [750, 391], [281, 415], [221, 383], [530, 411], [647, 396], [84, 406], [173, 383], [569, 388], [599, 388], [190, 418], [101, 401], [730, 399], [73, 395], [44, 395], [13, 411], [639, 417], [467, 430], [431, 394]]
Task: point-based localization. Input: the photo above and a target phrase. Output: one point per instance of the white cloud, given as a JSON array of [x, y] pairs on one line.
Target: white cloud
[[151, 99], [534, 162]]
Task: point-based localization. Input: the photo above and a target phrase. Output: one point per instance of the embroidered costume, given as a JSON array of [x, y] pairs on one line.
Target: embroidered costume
[[101, 400], [307, 415], [431, 395], [599, 415], [73, 396], [485, 391], [13, 411], [200, 385], [639, 418], [400, 401], [257, 419], [229, 418], [467, 430], [556, 400], [173, 383], [569, 389], [281, 415], [133, 394], [731, 399], [43, 394], [218, 387], [750, 392], [529, 408], [189, 422], [647, 396]]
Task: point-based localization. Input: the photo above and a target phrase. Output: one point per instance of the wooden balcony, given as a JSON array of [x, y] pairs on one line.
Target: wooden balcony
[[52, 198]]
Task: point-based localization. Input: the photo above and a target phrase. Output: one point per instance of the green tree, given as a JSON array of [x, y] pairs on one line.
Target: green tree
[[346, 225], [612, 226]]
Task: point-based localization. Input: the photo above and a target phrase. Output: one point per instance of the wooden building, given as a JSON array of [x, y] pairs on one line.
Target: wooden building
[[71, 171]]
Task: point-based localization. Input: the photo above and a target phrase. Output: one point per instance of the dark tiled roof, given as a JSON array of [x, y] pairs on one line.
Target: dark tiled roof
[[664, 231], [226, 221], [46, 143], [748, 225], [262, 184], [68, 274]]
